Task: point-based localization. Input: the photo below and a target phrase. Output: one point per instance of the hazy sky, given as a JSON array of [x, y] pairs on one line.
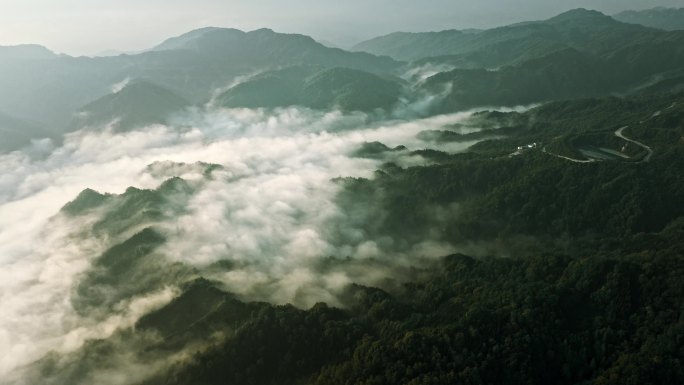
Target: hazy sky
[[90, 26]]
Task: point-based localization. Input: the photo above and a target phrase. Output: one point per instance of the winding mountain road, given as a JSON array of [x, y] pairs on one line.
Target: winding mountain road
[[648, 156], [567, 158], [619, 134]]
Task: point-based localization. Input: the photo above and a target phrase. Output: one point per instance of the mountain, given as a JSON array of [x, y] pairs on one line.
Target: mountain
[[539, 245], [277, 88], [596, 247], [543, 191], [265, 49], [313, 87], [26, 52], [412, 46], [137, 104], [669, 19], [560, 75], [620, 59], [192, 66], [187, 40], [584, 30]]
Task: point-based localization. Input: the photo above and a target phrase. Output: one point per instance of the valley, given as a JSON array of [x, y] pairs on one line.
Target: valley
[[480, 206]]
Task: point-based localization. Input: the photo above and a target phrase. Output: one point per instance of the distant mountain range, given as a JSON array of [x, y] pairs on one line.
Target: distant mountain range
[[587, 31], [669, 19], [579, 53], [39, 84]]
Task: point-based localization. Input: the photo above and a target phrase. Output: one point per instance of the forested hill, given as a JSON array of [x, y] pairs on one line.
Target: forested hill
[[541, 320], [575, 274], [560, 190], [591, 292], [501, 206]]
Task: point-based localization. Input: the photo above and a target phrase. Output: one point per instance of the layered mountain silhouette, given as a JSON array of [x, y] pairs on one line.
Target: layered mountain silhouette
[[589, 32], [669, 19], [579, 53], [591, 55], [50, 88], [26, 52]]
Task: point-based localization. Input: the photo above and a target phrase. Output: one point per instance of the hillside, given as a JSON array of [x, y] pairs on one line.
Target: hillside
[[264, 48], [560, 75], [595, 248], [16, 133], [505, 196], [622, 59], [313, 87], [137, 104]]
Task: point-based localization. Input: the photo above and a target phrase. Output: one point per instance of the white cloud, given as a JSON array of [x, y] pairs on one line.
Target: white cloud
[[266, 209], [117, 87]]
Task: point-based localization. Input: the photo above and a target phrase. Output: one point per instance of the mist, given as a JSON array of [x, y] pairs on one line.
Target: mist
[[222, 191], [269, 209], [79, 28]]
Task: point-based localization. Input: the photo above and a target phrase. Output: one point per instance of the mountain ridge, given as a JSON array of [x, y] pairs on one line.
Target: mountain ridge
[[62, 84], [565, 29], [668, 19]]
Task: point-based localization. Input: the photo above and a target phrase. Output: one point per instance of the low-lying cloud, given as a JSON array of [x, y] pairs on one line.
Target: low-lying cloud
[[267, 210]]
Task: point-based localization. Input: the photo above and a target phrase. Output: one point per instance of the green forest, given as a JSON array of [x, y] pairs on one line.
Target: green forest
[[478, 206], [589, 290]]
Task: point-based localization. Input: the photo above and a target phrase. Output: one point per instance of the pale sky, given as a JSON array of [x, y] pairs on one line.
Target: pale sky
[[90, 26]]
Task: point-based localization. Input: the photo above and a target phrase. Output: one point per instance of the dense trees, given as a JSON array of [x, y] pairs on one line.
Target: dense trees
[[534, 320], [537, 194], [597, 300], [576, 277]]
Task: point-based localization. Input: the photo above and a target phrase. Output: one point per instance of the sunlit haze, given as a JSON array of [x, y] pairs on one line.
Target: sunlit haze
[[89, 27]]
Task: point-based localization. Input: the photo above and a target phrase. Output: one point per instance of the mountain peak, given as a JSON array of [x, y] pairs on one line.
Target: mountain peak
[[190, 39], [26, 51], [580, 14], [86, 200], [263, 31]]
